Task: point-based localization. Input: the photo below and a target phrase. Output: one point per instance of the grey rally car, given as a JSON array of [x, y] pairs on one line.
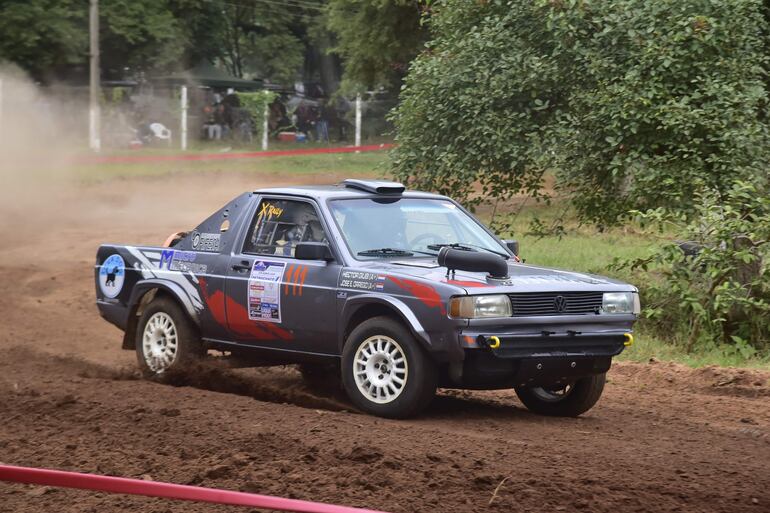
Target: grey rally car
[[393, 291]]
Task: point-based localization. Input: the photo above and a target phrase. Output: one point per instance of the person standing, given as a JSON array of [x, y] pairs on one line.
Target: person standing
[[322, 125]]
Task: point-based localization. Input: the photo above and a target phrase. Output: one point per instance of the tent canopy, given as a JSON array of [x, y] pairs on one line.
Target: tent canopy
[[206, 74]]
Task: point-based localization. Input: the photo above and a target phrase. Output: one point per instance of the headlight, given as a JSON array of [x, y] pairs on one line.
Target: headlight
[[480, 307], [621, 303]]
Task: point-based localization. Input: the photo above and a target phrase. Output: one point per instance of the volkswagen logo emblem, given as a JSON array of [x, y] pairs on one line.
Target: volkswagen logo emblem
[[560, 303]]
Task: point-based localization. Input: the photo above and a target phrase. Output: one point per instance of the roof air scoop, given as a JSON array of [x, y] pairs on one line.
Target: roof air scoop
[[374, 186], [457, 259]]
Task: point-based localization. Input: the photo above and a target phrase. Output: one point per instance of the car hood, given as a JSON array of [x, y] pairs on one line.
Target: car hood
[[522, 277]]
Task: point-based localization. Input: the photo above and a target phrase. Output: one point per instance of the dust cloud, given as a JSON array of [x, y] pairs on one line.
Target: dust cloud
[[38, 142]]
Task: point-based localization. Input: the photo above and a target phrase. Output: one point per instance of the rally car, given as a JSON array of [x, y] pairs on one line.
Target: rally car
[[394, 292]]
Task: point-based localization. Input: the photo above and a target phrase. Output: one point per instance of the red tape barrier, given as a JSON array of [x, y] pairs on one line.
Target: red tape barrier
[[110, 484], [135, 159]]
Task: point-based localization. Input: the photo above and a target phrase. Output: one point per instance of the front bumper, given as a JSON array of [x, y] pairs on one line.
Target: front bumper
[[547, 343], [536, 354], [558, 336]]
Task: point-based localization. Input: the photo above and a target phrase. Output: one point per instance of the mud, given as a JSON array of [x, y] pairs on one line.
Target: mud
[[663, 437]]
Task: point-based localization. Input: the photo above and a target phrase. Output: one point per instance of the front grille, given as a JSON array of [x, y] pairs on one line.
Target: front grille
[[556, 303]]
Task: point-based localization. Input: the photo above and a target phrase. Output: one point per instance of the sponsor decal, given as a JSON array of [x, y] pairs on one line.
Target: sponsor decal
[[206, 241], [182, 261], [269, 210], [146, 262], [112, 274], [362, 280], [264, 290]]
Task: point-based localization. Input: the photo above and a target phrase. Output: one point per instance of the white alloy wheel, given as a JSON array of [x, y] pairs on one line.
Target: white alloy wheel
[[380, 369], [159, 342]]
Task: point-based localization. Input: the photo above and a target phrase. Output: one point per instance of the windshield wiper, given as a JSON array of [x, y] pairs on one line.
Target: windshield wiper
[[386, 252], [464, 246]]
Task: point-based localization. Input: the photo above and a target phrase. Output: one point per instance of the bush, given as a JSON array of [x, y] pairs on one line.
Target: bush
[[713, 286], [255, 104], [633, 103]]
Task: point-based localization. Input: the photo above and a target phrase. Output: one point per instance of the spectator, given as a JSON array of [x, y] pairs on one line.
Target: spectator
[[213, 129], [322, 125], [219, 120]]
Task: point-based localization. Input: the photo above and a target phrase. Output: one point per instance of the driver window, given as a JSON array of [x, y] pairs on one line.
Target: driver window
[[278, 226]]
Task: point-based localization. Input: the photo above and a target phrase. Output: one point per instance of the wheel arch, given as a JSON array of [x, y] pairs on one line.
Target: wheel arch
[[360, 308], [142, 295]]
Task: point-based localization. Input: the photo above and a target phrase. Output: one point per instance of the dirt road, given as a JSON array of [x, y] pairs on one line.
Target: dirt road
[[663, 438]]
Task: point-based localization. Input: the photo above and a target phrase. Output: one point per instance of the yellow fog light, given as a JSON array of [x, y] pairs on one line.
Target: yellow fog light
[[628, 340]]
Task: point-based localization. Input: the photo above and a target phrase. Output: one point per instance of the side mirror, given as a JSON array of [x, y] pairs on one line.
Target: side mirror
[[313, 251], [513, 245]]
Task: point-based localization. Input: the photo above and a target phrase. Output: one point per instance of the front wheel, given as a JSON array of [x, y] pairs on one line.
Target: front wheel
[[385, 372], [165, 339], [563, 400]]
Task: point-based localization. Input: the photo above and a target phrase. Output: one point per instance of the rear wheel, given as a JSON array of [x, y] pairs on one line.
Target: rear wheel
[[563, 400], [165, 339], [385, 372]]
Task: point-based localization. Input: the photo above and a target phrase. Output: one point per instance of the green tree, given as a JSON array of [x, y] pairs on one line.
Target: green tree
[[633, 104], [670, 100], [377, 39], [140, 35], [262, 38], [203, 24], [44, 37], [475, 105], [49, 39]]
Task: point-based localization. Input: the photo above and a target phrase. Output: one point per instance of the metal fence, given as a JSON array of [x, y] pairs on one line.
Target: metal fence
[[134, 116]]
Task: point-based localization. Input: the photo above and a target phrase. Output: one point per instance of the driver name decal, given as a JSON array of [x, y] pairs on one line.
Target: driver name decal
[[362, 280]]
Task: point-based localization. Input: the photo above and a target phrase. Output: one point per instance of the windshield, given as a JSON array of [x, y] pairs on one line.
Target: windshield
[[404, 227]]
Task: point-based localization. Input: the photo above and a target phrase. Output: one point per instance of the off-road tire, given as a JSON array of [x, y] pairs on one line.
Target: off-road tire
[[188, 344], [421, 377], [583, 396]]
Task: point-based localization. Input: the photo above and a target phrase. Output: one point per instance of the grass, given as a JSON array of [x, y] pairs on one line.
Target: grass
[[349, 164], [647, 346], [580, 248]]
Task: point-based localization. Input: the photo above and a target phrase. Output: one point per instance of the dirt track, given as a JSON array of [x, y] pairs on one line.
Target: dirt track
[[663, 438]]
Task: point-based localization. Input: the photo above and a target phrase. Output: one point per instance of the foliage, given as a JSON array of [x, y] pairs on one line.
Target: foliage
[[139, 35], [261, 38], [377, 39], [670, 98], [634, 104], [43, 36], [202, 24], [49, 39], [255, 104], [720, 291], [475, 104]]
